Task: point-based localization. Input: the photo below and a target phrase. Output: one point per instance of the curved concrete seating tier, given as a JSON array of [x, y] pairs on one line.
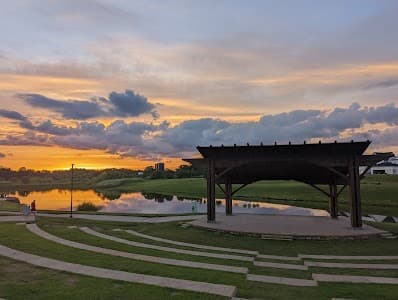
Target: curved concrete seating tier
[[197, 246], [154, 259], [179, 284], [168, 249]]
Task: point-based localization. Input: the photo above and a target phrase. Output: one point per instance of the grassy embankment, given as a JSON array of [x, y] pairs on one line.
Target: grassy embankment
[[379, 192], [12, 187], [27, 282], [9, 206]]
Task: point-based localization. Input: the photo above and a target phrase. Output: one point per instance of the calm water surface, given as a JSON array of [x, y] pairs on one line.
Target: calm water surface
[[147, 203]]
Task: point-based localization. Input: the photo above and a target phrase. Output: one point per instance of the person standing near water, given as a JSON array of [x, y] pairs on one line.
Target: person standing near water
[[33, 207]]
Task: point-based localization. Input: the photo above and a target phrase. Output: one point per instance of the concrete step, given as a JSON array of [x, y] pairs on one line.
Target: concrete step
[[354, 279], [166, 282], [281, 280], [276, 237], [279, 265], [278, 257]]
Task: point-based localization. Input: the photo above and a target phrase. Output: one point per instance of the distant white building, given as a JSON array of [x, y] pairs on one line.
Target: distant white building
[[159, 167], [389, 166]]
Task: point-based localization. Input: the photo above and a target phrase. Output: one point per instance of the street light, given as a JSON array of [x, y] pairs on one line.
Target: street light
[[71, 191]]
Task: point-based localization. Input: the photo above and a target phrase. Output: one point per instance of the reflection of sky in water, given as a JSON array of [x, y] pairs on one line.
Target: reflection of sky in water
[[138, 203]]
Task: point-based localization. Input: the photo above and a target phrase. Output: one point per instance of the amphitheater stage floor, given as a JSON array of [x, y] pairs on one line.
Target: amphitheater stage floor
[[296, 227]]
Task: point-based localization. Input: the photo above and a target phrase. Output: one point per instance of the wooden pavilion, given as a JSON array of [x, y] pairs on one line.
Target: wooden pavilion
[[335, 165]]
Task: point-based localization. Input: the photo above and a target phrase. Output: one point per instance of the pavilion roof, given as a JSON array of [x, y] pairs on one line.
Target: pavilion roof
[[318, 163]]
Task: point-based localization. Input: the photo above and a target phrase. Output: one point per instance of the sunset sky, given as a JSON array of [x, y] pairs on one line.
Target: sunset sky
[[112, 83]]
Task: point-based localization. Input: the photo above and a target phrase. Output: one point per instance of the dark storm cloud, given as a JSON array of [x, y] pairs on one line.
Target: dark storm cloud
[[128, 104], [10, 114]]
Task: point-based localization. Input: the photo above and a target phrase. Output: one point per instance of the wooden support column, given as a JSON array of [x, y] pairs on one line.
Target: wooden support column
[[228, 197], [355, 193], [211, 191], [333, 205]]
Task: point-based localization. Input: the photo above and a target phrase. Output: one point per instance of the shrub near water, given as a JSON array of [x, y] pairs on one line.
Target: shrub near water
[[88, 206]]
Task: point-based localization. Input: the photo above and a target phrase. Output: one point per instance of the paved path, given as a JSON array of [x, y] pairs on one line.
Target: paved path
[[175, 262], [281, 280], [123, 218], [180, 284], [279, 265], [168, 249], [198, 246], [354, 279], [358, 257], [17, 218], [14, 213], [351, 266]]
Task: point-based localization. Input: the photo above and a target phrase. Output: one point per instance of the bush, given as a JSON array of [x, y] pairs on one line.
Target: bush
[[88, 206]]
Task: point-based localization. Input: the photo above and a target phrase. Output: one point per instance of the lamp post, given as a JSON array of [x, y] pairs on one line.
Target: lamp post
[[71, 191]]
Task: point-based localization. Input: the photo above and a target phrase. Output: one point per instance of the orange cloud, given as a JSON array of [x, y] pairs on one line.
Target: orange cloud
[[346, 74], [61, 87]]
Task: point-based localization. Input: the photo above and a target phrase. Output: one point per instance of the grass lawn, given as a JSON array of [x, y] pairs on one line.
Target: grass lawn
[[9, 206], [24, 281], [378, 192], [28, 282]]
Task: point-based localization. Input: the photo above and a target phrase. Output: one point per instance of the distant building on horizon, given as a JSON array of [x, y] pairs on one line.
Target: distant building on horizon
[[159, 167], [389, 166]]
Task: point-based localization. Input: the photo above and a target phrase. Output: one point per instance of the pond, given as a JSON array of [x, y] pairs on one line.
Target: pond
[[151, 203]]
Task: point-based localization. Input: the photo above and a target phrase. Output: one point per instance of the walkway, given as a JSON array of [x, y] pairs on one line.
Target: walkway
[[180, 284], [168, 249], [154, 259], [128, 219], [17, 218]]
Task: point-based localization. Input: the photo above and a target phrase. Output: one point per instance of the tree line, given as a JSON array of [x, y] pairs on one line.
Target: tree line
[[90, 176], [183, 171]]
